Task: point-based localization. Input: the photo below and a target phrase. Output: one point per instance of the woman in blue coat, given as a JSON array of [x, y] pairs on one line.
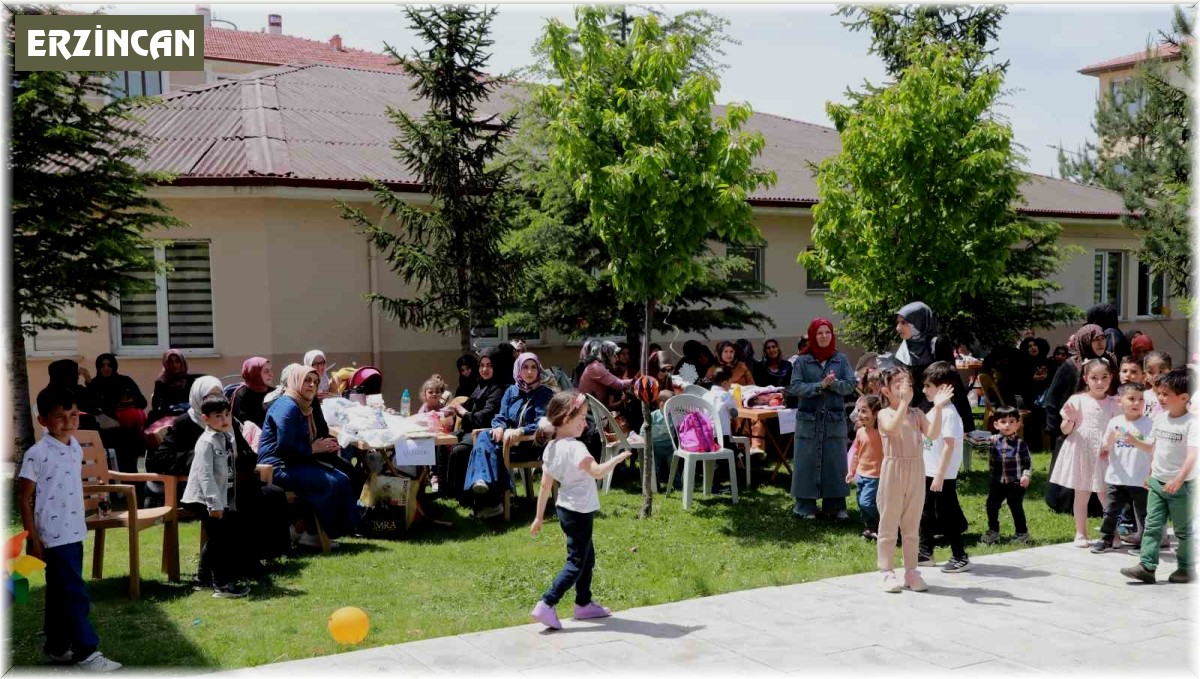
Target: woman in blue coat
[[822, 378], [304, 456], [523, 404]]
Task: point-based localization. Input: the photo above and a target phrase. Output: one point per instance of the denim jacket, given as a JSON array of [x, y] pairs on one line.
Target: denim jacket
[[815, 400]]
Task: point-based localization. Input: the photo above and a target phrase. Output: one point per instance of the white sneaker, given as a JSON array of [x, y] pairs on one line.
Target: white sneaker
[[1081, 541], [309, 540], [479, 487], [96, 662]]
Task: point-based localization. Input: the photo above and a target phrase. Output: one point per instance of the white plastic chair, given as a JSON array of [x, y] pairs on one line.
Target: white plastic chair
[[695, 390], [674, 411], [607, 424]]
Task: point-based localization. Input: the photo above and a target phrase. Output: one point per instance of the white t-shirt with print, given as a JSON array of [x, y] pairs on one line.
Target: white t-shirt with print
[[1127, 466], [58, 501], [1172, 437], [1152, 406], [577, 488], [952, 427]]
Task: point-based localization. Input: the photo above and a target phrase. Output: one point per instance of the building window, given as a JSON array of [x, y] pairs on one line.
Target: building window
[[813, 282], [753, 278], [139, 83], [55, 342], [1132, 104], [1109, 278], [490, 336], [178, 312], [1152, 292]]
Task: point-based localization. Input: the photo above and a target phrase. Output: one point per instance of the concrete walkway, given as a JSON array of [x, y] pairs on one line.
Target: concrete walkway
[[1056, 609]]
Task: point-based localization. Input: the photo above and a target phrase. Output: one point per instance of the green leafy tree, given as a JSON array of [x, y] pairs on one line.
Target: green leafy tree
[[1144, 152], [79, 207], [632, 122], [921, 204], [896, 29], [448, 254], [567, 285]]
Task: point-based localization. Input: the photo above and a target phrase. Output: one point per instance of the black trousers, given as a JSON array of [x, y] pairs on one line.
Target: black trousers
[[224, 557], [1121, 498], [942, 515], [1014, 495], [265, 515]]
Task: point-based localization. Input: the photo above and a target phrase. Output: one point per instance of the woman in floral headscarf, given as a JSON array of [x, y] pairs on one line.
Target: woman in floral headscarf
[[171, 387], [822, 378], [523, 404], [257, 379]]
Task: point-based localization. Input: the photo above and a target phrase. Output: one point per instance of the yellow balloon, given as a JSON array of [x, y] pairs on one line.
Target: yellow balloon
[[349, 625]]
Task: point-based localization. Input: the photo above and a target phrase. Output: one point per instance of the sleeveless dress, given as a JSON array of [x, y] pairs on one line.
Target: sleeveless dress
[[1078, 466]]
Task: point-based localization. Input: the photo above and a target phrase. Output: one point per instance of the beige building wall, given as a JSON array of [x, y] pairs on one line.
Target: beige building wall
[[290, 275]]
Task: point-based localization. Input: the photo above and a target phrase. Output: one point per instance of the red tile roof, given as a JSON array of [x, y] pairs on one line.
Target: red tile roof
[[226, 44], [1166, 52], [326, 126]]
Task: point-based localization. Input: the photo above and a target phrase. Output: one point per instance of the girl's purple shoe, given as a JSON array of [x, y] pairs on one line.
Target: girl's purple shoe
[[546, 615], [592, 610]]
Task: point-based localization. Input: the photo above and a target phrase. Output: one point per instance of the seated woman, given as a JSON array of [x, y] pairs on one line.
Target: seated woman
[[727, 356], [295, 441], [315, 359], [264, 505], [772, 370], [477, 413], [119, 397], [171, 387], [523, 404], [257, 379], [701, 359]]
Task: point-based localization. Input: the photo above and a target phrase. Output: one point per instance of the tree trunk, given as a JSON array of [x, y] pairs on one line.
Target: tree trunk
[[464, 337], [648, 448], [18, 391]]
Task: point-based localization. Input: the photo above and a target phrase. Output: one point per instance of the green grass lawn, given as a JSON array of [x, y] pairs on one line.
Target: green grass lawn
[[472, 576]]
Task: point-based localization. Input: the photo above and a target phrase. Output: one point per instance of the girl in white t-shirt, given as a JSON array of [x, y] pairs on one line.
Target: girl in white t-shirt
[[568, 462]]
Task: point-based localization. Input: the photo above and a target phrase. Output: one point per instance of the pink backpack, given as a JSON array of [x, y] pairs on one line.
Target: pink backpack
[[696, 434]]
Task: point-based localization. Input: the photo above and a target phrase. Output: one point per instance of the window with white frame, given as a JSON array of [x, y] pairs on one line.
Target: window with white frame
[[1108, 278], [177, 313], [139, 83], [755, 276], [1152, 292], [54, 342]]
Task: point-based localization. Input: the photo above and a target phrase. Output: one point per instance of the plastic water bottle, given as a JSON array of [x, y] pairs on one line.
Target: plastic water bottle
[[405, 404]]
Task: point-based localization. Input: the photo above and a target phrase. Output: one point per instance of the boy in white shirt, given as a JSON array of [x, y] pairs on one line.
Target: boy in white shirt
[[1173, 443], [1128, 467], [50, 498], [942, 514]]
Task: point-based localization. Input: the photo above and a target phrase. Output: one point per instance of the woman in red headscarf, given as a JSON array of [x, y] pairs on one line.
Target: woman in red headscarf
[[822, 378]]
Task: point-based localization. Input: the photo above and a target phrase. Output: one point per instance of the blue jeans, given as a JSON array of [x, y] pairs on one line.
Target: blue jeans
[[67, 604], [581, 559], [868, 509]]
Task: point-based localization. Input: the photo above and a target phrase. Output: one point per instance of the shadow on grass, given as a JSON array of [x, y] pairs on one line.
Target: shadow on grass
[[656, 630]]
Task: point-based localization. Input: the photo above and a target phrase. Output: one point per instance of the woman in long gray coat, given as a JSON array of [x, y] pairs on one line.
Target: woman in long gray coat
[[822, 379]]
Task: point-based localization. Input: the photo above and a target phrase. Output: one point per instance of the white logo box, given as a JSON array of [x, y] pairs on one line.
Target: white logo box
[[414, 452]]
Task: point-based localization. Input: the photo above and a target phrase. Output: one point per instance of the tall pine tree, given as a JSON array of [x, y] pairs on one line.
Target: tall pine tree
[[449, 254], [79, 207]]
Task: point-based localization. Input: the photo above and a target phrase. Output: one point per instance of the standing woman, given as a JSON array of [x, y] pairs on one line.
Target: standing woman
[[477, 413], [119, 397], [257, 379], [919, 347], [306, 459], [822, 379], [171, 387]]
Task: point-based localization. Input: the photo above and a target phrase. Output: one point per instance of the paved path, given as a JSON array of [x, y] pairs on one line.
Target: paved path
[[1056, 609]]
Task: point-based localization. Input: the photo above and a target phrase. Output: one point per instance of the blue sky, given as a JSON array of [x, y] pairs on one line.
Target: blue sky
[[794, 58]]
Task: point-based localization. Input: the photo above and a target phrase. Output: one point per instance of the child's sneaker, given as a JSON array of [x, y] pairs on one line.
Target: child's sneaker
[[1181, 576], [1133, 539], [1139, 572], [924, 559], [96, 662], [1081, 541], [201, 583], [914, 581], [890, 583], [56, 659], [230, 591], [990, 538], [1104, 544], [545, 614], [870, 535], [592, 610], [957, 565], [433, 483], [479, 487], [1023, 538]]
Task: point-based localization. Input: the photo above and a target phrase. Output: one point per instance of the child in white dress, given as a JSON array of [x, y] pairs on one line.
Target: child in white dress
[[1084, 418]]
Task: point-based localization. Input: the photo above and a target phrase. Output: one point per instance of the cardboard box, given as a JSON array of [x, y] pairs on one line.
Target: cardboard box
[[414, 452]]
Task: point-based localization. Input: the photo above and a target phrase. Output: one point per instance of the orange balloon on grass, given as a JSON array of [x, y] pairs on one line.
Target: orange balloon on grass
[[349, 625]]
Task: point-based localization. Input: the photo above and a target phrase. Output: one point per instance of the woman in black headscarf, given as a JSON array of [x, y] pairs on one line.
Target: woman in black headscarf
[[919, 347], [1035, 376], [482, 405], [65, 374], [468, 375], [1105, 316], [119, 397]]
